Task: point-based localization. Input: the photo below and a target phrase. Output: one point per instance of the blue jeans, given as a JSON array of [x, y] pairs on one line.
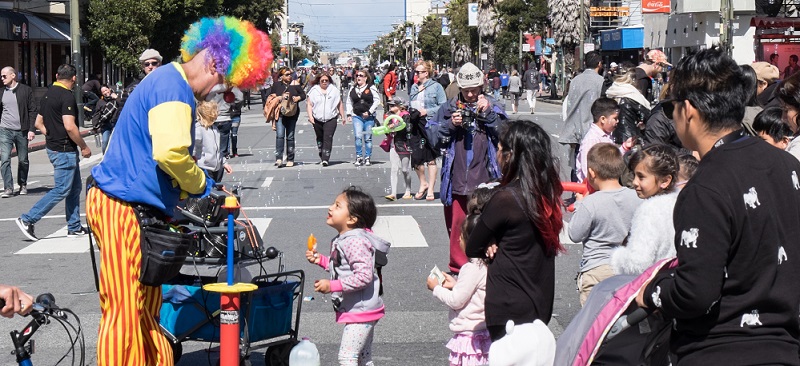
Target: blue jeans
[[235, 121], [285, 134], [67, 185], [8, 139], [362, 130], [105, 135], [224, 137]]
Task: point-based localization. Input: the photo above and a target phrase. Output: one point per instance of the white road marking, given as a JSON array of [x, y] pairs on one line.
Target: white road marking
[[267, 182], [563, 237], [58, 242], [388, 205], [402, 231]]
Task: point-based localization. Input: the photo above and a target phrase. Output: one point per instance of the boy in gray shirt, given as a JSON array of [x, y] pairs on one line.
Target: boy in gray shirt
[[601, 220]]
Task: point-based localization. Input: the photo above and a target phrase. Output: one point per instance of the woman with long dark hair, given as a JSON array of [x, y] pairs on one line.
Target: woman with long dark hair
[[523, 220]]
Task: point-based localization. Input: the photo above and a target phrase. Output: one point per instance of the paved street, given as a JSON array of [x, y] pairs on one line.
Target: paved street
[[287, 205]]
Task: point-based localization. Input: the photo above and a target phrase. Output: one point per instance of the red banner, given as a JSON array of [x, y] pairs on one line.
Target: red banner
[[655, 6]]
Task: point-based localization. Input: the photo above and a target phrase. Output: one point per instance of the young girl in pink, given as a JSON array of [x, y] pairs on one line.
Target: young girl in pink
[[465, 297], [354, 283]]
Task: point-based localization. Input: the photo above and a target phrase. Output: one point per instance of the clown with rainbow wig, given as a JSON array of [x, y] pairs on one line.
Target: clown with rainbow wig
[[149, 165]]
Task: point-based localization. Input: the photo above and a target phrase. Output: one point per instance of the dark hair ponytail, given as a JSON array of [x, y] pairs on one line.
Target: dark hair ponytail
[[527, 156], [361, 206]]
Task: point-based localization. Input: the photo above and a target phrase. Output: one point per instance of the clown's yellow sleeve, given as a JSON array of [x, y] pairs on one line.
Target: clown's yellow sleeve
[[170, 127]]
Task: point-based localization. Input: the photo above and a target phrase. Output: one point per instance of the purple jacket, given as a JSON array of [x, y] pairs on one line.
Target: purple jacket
[[445, 135]]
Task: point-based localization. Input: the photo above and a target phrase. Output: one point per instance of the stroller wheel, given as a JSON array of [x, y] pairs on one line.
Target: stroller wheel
[[278, 355], [177, 350]]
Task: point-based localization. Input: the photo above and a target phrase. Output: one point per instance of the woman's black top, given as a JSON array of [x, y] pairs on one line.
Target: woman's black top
[[520, 283]]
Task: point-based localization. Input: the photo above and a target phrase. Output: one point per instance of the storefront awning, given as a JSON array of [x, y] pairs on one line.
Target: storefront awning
[[777, 22], [47, 30], [622, 38]]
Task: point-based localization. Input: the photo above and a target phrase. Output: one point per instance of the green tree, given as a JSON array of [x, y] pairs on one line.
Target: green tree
[[176, 16], [120, 28], [518, 16], [124, 28], [435, 47], [465, 38]]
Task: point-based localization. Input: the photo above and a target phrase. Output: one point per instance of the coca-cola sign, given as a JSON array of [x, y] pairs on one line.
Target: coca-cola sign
[[655, 6]]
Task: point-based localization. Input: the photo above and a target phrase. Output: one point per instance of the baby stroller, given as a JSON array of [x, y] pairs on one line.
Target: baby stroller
[[612, 330]]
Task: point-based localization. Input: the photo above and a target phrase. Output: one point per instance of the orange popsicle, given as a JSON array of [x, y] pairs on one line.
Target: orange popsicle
[[312, 241]]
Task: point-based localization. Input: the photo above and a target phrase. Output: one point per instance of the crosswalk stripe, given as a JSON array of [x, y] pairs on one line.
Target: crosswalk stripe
[[401, 230]]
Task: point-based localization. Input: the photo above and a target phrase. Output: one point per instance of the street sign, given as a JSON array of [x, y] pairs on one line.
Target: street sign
[[445, 26]]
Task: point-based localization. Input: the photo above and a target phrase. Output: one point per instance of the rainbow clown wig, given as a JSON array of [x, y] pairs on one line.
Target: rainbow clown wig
[[242, 53]]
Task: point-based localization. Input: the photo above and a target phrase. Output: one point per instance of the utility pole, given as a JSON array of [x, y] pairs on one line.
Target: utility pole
[[726, 36], [77, 61], [519, 68], [582, 34]]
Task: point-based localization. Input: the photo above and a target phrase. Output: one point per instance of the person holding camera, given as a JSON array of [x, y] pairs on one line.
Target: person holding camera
[[467, 128]]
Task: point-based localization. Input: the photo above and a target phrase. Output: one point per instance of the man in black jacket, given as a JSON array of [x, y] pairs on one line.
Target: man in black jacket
[[734, 293], [16, 130], [150, 60]]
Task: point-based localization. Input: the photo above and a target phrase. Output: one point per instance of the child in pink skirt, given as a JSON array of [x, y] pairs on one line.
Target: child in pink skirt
[[465, 298]]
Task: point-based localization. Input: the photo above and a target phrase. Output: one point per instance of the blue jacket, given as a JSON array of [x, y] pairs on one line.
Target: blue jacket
[[442, 133], [434, 97]]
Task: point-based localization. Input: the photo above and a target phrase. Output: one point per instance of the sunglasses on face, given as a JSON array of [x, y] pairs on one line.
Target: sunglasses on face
[[4, 77], [154, 63], [668, 106], [324, 81], [361, 75], [420, 71]]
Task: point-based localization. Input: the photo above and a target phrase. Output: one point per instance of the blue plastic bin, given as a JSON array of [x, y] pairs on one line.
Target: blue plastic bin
[[270, 311]]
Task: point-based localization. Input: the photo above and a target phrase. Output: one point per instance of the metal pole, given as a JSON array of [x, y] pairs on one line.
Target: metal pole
[[519, 68], [583, 35], [77, 61], [480, 50]]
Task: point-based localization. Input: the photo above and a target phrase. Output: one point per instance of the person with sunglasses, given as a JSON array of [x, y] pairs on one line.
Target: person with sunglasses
[[324, 107], [150, 60], [426, 97], [735, 279], [467, 127], [287, 88], [362, 102], [654, 63], [17, 129]]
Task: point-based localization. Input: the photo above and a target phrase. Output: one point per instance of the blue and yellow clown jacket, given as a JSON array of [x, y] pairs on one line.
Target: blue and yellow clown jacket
[[149, 158]]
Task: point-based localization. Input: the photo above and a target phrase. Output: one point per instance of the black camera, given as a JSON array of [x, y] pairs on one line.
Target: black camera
[[467, 118]]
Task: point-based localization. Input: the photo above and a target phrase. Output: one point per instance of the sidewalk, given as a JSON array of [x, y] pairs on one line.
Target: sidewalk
[[39, 142]]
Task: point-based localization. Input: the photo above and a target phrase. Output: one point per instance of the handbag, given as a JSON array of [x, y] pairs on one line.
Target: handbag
[[386, 144], [164, 247]]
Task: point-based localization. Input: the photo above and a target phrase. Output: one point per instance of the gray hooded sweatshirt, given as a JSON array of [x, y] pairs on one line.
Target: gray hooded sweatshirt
[[354, 256]]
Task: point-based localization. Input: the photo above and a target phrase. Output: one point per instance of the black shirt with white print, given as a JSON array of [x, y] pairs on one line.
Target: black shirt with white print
[[735, 294]]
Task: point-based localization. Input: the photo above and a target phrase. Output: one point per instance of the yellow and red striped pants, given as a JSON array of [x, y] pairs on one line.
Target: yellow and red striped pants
[[129, 333]]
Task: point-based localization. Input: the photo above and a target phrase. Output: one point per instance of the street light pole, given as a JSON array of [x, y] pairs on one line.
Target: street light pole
[[75, 38]]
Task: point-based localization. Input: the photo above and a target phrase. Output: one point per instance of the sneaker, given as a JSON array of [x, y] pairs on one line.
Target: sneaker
[[367, 162], [324, 163], [9, 192], [359, 161], [26, 228], [278, 162], [289, 164], [23, 190], [78, 233]]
